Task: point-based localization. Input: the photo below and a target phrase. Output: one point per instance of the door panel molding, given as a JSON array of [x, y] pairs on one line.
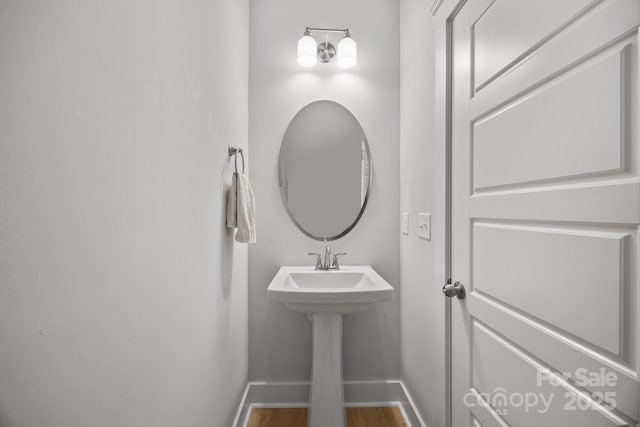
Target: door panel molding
[[537, 24], [483, 411], [581, 44], [538, 148], [560, 352], [497, 355], [546, 274]]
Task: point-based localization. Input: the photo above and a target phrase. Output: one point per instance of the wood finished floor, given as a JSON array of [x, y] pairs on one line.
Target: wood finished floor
[[356, 417]]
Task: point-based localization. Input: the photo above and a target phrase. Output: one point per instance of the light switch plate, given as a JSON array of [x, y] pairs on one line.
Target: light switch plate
[[405, 223], [424, 225]]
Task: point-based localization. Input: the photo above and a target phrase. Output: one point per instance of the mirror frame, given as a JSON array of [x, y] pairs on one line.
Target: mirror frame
[[281, 172]]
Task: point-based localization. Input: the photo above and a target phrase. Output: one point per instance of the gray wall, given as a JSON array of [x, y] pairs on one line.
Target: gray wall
[[279, 339], [423, 328], [123, 298]]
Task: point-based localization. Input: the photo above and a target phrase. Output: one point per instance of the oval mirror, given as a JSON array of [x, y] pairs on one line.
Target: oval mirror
[[325, 170]]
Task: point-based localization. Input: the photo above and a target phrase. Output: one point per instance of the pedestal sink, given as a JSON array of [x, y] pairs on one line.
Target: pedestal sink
[[326, 296]]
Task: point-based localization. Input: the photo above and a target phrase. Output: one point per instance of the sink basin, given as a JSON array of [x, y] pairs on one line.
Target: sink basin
[[351, 289]]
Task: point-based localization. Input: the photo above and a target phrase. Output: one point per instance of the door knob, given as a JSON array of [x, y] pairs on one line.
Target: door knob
[[454, 290]]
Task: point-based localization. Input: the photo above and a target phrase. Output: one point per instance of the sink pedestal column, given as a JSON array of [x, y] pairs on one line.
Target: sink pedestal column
[[327, 393]]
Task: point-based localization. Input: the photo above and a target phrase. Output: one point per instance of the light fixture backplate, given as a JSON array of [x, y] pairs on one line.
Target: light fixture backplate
[[326, 52]]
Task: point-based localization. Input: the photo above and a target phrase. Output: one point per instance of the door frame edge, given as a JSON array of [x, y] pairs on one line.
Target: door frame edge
[[444, 15]]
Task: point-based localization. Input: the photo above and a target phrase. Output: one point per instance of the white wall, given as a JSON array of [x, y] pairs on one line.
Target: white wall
[[280, 340], [123, 299], [423, 327]]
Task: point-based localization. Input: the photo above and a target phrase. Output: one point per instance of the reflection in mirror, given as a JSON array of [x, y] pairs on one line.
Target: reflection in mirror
[[325, 170]]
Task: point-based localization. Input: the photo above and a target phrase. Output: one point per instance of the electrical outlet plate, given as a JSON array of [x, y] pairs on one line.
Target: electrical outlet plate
[[424, 225], [405, 223]]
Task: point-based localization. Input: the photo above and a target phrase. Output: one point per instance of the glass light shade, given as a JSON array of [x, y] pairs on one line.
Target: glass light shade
[[307, 51], [347, 52]]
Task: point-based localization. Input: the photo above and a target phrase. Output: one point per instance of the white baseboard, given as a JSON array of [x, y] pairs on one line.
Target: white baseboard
[[357, 394]]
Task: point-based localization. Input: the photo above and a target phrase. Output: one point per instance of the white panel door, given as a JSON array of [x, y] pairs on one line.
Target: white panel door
[[545, 213]]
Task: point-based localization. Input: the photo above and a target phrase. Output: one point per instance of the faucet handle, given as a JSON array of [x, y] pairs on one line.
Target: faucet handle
[[318, 259], [336, 265]]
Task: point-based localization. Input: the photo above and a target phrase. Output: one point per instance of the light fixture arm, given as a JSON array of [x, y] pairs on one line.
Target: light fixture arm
[[326, 30]]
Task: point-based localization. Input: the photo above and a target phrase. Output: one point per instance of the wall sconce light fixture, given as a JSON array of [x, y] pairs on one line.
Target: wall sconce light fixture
[[309, 51]]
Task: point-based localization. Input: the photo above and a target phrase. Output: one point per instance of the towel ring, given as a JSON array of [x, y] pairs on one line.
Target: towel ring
[[233, 151]]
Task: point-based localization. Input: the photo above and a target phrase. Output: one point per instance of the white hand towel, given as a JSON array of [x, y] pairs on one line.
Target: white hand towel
[[232, 209], [246, 213]]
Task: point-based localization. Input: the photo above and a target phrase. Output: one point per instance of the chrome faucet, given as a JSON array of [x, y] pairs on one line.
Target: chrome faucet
[[327, 254], [329, 263]]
